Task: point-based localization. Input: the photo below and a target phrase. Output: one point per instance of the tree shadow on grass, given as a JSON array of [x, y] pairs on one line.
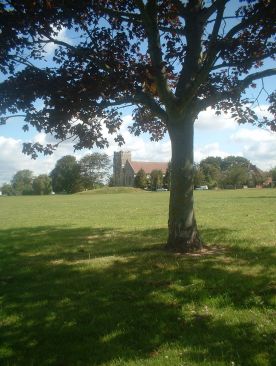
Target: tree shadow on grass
[[91, 296], [254, 197]]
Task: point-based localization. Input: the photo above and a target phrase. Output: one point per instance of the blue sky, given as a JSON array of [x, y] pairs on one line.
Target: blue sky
[[214, 136]]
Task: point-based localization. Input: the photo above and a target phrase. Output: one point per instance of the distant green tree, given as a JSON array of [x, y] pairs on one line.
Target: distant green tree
[[94, 170], [213, 160], [42, 185], [273, 176], [199, 177], [66, 175], [167, 178], [111, 181], [238, 166], [156, 180], [140, 181], [231, 161], [236, 176], [7, 190], [255, 177], [22, 182], [210, 167]]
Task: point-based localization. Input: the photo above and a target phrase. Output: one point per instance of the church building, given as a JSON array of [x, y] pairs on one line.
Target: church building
[[125, 170]]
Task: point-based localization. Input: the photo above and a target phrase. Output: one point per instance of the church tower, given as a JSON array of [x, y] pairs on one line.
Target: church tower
[[119, 160]]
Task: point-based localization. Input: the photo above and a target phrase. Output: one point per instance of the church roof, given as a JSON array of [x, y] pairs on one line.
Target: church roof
[[148, 166]]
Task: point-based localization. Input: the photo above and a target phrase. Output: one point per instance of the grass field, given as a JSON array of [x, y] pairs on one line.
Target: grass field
[[84, 281]]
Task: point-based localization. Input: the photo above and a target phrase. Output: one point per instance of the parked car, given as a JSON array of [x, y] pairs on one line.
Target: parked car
[[201, 188]]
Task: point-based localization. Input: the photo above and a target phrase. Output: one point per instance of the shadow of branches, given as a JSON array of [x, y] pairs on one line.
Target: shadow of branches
[[91, 296]]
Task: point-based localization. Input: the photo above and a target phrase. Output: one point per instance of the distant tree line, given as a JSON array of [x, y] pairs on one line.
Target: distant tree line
[[230, 172], [24, 183], [273, 176], [93, 171], [213, 172], [68, 176], [154, 181]]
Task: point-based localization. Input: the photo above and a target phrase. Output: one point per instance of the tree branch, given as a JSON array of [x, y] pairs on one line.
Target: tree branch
[[212, 9], [256, 76], [236, 91], [58, 42], [246, 62], [190, 66], [212, 49], [138, 98], [124, 15], [193, 70], [3, 120], [149, 16], [23, 61], [225, 18], [180, 32], [243, 24], [147, 100], [83, 51]]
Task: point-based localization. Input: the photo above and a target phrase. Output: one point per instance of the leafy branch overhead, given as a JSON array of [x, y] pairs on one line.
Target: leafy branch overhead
[[166, 58]]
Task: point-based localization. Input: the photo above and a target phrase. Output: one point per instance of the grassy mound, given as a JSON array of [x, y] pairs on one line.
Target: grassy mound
[[111, 190]]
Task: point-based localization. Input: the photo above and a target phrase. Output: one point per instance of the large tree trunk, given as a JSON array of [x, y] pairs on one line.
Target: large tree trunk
[[183, 233]]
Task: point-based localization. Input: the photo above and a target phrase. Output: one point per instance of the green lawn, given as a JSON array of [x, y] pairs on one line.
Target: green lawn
[[84, 281]]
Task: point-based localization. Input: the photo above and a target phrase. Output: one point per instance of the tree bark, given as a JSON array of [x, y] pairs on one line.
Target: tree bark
[[183, 232]]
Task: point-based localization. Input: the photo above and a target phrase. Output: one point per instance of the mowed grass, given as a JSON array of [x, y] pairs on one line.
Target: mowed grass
[[84, 280]]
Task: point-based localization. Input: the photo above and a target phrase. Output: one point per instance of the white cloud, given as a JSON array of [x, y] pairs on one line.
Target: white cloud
[[43, 138], [213, 149], [259, 146], [12, 159], [8, 159], [61, 36], [262, 111], [208, 120], [246, 135]]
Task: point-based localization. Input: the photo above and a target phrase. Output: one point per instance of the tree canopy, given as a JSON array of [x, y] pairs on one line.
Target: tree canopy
[[196, 53], [42, 184], [22, 182], [156, 180], [94, 170], [140, 180], [66, 175], [230, 171], [7, 190], [273, 176]]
